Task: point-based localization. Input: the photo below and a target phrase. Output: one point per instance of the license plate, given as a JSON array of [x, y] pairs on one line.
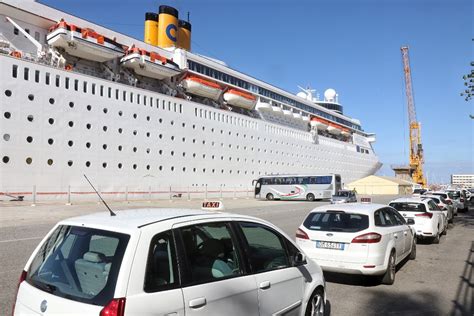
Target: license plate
[[330, 245]]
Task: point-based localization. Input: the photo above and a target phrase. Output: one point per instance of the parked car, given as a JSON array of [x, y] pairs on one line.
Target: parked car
[[448, 209], [429, 220], [447, 199], [344, 196], [169, 262], [459, 199], [357, 238]]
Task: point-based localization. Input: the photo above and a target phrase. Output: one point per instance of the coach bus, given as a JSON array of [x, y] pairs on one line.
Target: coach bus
[[297, 187]]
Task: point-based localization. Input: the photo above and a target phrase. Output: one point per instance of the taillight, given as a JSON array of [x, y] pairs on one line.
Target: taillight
[[22, 278], [301, 234], [461, 199], [369, 238], [115, 307], [429, 215], [449, 202]]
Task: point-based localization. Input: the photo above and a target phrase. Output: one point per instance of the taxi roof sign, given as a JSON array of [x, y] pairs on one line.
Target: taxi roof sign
[[366, 200], [212, 206]]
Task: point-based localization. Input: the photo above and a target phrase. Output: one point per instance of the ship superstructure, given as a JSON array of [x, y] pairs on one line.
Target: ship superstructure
[[79, 98]]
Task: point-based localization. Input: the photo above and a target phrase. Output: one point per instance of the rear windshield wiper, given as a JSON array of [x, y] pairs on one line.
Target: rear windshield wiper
[[45, 286]]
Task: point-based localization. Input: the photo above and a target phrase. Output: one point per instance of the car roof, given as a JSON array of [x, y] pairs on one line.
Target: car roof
[[409, 200], [133, 219], [362, 208]]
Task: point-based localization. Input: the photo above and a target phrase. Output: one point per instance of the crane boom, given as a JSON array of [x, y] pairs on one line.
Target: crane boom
[[416, 148]]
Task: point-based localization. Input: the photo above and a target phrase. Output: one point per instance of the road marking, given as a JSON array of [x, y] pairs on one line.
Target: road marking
[[20, 239]]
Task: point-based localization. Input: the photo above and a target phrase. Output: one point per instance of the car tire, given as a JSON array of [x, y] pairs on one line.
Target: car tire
[[270, 197], [316, 303], [413, 250], [389, 276], [436, 238], [310, 197]]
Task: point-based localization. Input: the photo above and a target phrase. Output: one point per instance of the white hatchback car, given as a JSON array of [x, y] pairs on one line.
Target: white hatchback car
[[169, 262], [368, 239], [430, 222]]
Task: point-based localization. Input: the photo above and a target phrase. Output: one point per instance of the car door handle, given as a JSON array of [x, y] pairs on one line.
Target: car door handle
[[197, 302], [265, 285], [395, 235]]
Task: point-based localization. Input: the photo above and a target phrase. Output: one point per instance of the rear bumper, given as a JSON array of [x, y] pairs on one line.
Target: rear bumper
[[351, 268]]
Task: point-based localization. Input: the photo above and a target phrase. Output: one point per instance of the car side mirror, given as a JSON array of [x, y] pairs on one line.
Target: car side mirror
[[410, 221], [299, 259]]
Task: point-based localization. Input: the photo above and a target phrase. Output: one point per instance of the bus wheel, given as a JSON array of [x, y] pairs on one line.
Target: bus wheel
[[270, 197], [310, 197]]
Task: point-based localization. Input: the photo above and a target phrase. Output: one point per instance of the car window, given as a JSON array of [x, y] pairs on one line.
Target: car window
[[400, 220], [161, 269], [79, 263], [432, 206], [408, 206], [266, 249], [210, 252], [379, 218], [336, 221], [389, 217]]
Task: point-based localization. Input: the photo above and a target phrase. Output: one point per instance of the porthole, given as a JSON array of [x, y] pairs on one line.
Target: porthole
[[105, 110], [6, 137], [204, 170], [120, 131], [172, 122], [119, 165], [184, 139], [5, 159], [69, 163], [120, 147], [172, 153], [134, 115], [104, 146], [71, 123], [148, 134], [194, 141], [194, 155], [172, 137], [194, 169], [160, 151], [89, 108], [134, 166], [31, 97], [194, 126], [147, 167], [160, 120], [183, 124], [51, 101], [184, 169], [29, 139], [7, 115], [134, 149], [148, 118], [8, 93], [29, 160], [213, 170], [51, 121], [88, 126], [135, 132], [71, 104], [50, 162], [88, 164], [160, 136], [148, 150], [70, 143], [120, 113], [203, 128], [88, 145], [203, 156], [104, 128], [160, 168], [184, 154], [104, 165], [50, 141]]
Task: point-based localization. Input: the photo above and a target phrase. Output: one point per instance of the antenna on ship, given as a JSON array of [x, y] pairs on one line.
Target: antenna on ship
[[110, 210]]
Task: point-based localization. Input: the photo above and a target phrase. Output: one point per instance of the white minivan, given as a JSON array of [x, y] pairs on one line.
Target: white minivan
[[169, 262]]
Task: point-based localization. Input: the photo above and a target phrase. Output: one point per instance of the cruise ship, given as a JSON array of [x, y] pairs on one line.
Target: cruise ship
[[78, 98]]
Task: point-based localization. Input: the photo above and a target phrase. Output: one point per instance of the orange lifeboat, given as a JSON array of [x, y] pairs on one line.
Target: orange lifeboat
[[334, 129], [319, 123], [149, 64], [240, 98], [83, 42], [345, 131], [202, 87]]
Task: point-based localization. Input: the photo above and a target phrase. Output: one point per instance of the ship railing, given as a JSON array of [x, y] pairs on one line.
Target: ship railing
[[74, 194]]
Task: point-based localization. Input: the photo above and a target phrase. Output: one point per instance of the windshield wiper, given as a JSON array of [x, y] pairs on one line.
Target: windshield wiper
[[45, 286]]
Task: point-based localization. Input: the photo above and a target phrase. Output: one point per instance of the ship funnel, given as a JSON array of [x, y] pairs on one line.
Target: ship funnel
[[184, 35], [167, 26], [151, 28]]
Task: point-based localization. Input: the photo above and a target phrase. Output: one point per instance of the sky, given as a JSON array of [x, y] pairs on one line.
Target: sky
[[352, 46]]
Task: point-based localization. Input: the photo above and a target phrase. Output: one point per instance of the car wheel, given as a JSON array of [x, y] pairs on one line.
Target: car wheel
[[310, 197], [436, 238], [270, 197], [389, 276], [316, 304], [413, 250]]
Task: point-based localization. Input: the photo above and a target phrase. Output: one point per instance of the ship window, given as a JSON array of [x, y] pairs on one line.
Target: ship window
[[138, 98], [76, 84], [14, 71], [84, 86], [104, 146], [50, 141], [30, 118], [37, 36], [174, 107], [89, 107], [88, 145], [50, 162], [6, 137], [104, 165], [5, 159], [29, 160], [124, 95], [66, 83], [169, 105], [163, 104], [69, 163], [70, 143], [119, 166], [120, 131], [134, 166], [134, 149], [116, 94], [101, 90], [104, 128], [160, 168], [131, 97], [15, 31], [109, 92], [26, 73], [71, 104], [120, 113], [47, 77], [144, 100], [71, 123], [180, 108], [31, 97], [119, 148]]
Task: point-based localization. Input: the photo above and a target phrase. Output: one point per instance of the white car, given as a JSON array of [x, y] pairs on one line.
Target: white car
[[448, 209], [358, 238], [430, 222], [169, 262], [448, 200]]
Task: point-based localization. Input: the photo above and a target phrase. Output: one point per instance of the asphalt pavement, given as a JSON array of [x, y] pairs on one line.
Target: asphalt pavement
[[439, 282]]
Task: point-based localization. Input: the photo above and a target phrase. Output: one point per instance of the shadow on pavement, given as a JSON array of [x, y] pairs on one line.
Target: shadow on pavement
[[463, 304], [421, 303]]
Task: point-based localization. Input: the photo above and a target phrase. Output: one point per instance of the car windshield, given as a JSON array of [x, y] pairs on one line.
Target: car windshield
[[408, 207], [436, 200], [342, 194], [336, 221], [79, 263]]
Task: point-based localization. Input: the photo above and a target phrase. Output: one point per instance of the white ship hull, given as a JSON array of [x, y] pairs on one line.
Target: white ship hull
[[123, 136]]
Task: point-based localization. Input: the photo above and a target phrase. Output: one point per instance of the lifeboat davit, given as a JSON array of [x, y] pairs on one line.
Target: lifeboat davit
[[334, 129], [239, 98], [83, 42], [149, 64], [277, 110], [288, 113], [320, 124], [264, 106], [202, 87]]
